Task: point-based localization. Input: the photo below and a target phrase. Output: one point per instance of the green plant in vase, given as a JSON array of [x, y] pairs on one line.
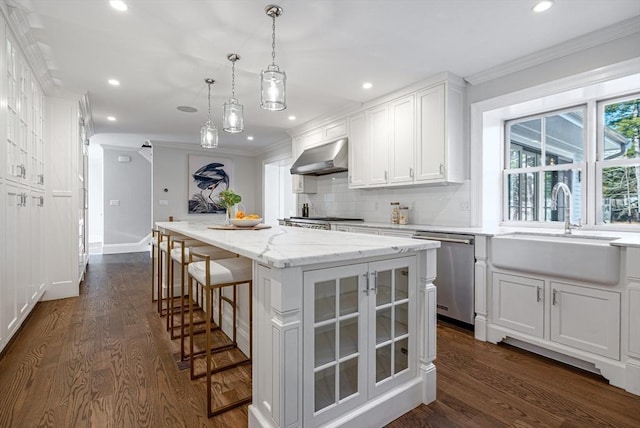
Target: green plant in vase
[[227, 199]]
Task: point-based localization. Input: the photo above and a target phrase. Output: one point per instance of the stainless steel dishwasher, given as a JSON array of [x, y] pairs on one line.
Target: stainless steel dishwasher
[[455, 275]]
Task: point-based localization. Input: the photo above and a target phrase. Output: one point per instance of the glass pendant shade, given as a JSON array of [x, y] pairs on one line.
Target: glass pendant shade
[[233, 120], [273, 89], [208, 131], [209, 135]]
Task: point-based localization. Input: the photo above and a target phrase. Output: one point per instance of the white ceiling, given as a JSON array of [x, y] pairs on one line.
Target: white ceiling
[[161, 51]]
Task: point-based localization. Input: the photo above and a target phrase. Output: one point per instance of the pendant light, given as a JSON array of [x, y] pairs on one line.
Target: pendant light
[[208, 131], [273, 81], [233, 119]]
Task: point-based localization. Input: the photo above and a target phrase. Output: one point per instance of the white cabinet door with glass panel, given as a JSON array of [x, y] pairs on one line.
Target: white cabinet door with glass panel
[[358, 332]]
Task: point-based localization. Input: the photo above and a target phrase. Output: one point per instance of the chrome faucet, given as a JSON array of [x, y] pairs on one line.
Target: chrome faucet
[[567, 206]]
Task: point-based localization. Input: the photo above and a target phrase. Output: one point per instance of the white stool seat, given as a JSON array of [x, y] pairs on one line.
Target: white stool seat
[[223, 271], [164, 245], [213, 252]]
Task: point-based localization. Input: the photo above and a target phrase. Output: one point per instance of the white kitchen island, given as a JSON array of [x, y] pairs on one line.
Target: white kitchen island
[[344, 325]]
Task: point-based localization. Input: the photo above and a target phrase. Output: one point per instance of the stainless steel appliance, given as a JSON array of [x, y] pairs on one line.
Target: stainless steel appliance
[[455, 275], [321, 160], [316, 222]]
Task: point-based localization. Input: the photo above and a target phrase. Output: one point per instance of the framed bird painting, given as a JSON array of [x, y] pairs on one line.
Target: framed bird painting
[[208, 176]]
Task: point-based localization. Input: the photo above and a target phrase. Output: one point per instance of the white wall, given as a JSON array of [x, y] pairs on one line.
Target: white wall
[[170, 171], [592, 58], [428, 205], [96, 197], [127, 224]]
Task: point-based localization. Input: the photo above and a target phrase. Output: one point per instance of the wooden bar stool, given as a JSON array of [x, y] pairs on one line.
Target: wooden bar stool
[[211, 276], [180, 254]]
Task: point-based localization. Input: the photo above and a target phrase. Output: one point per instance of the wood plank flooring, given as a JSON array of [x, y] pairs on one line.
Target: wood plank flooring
[[104, 359]]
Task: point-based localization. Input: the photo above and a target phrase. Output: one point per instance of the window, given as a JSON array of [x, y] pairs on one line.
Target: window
[[541, 152], [550, 148], [618, 166]]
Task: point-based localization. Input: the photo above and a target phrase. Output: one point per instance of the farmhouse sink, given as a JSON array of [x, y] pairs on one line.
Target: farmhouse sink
[[574, 257]]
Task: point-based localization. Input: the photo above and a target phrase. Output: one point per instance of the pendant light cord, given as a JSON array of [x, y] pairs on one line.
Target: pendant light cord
[[209, 97], [233, 79], [273, 40]]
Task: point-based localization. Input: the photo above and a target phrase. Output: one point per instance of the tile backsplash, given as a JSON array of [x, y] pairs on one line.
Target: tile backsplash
[[442, 205]]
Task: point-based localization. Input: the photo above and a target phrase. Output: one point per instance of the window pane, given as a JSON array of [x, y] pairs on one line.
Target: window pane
[[620, 195], [525, 145], [522, 192], [622, 130], [573, 179], [564, 138]]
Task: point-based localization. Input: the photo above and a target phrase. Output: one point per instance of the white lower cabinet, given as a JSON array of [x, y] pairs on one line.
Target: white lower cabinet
[[518, 303], [36, 248], [582, 317], [359, 335], [15, 296], [586, 318]]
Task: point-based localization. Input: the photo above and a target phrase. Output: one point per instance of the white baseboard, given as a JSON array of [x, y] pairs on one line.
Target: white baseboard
[[134, 247], [61, 290]]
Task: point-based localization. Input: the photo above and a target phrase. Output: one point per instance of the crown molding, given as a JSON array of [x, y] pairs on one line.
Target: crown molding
[[18, 23], [274, 146], [613, 32]]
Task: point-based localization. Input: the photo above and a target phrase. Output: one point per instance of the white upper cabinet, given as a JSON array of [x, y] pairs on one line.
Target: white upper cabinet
[[403, 140], [358, 150], [377, 121], [440, 149], [414, 138]]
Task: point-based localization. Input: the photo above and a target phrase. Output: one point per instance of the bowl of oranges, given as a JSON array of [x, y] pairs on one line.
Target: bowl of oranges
[[242, 219]]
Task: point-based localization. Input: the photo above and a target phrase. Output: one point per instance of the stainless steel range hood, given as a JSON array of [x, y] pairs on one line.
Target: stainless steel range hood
[[321, 160]]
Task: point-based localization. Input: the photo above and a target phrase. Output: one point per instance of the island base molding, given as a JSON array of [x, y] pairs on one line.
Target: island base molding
[[386, 407], [625, 375]]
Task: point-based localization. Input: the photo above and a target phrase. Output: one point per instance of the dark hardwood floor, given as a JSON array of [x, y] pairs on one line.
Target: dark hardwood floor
[[104, 359]]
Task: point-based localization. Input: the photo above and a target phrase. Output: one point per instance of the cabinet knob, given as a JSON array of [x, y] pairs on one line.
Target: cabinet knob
[[442, 169], [555, 298], [538, 294], [411, 172]]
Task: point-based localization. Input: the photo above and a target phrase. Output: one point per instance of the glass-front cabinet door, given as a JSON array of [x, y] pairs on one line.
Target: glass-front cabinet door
[[359, 334], [392, 313], [335, 340]]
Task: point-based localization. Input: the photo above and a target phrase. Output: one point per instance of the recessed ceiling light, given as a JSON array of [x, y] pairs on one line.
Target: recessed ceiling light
[[250, 138], [118, 5], [111, 118], [113, 82], [367, 85], [292, 118], [187, 109], [542, 5]]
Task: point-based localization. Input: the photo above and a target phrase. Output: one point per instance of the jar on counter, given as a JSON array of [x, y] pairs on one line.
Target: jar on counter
[[403, 215], [395, 212]]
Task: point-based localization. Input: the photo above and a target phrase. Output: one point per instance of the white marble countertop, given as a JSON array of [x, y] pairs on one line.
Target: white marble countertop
[[283, 247], [625, 239]]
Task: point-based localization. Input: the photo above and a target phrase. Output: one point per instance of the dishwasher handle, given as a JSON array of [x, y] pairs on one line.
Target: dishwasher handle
[[442, 239]]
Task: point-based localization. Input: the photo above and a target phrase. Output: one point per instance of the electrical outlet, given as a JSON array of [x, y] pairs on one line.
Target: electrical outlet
[[464, 205]]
